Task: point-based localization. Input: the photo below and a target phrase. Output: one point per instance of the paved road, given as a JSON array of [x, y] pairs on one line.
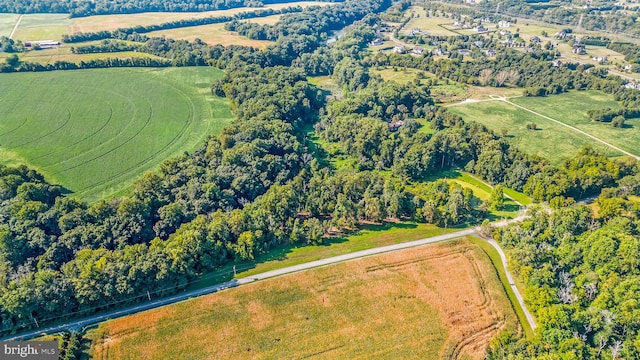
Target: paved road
[[15, 27], [82, 323], [503, 257]]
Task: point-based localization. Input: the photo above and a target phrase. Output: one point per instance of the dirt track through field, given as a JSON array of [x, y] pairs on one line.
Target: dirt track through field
[[15, 27], [572, 128]]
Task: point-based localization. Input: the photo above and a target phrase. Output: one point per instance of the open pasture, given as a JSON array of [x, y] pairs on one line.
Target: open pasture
[[95, 131], [552, 141], [571, 108], [7, 22], [437, 301], [42, 27], [430, 25]]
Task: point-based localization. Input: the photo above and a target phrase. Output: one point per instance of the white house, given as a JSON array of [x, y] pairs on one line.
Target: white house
[[504, 24], [399, 49]]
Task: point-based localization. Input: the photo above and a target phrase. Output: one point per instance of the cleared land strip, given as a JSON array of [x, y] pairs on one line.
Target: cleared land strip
[[572, 128], [88, 321], [15, 27]]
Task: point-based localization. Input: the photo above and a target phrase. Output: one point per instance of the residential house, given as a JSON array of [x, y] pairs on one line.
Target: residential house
[[535, 40], [417, 51], [399, 49], [480, 29], [505, 32], [504, 24], [579, 50], [491, 53], [465, 52], [557, 63], [601, 59]]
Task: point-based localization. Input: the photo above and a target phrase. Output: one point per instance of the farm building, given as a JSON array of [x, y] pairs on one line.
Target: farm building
[[557, 63], [465, 52], [42, 44]]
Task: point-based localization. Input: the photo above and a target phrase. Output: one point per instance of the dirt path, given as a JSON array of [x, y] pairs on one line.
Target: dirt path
[[15, 27], [572, 128]]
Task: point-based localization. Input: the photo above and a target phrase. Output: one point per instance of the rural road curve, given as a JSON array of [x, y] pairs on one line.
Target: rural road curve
[[87, 321], [572, 128], [15, 27]]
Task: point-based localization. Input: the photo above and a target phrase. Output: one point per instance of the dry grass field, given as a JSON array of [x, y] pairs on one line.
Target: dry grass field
[[438, 301], [113, 22], [210, 34]]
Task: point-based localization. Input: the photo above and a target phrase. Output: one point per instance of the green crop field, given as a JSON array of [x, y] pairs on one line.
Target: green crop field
[[571, 108], [439, 301], [95, 131], [552, 141], [42, 27], [7, 22]]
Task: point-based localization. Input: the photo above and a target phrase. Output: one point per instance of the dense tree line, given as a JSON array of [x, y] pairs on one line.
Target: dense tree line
[[103, 7], [122, 33], [581, 274], [46, 240], [13, 64]]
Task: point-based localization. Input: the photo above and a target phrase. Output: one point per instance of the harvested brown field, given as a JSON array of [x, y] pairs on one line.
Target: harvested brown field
[[116, 21], [438, 301]]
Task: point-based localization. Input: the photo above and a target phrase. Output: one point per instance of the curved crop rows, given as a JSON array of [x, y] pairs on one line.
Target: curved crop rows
[[95, 131]]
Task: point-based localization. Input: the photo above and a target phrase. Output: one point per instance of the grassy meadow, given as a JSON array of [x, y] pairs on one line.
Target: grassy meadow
[[42, 27], [437, 301], [552, 141], [369, 236], [95, 131], [430, 25], [7, 22], [571, 108]]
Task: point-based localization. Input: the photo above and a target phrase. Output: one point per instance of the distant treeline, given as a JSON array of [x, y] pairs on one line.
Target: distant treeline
[[103, 7], [630, 51], [607, 115], [140, 29], [91, 64]]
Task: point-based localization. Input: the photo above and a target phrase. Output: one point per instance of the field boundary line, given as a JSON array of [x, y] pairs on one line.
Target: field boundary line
[[15, 27], [572, 128]]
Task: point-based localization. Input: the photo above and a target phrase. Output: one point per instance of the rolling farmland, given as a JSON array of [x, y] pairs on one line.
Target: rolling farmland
[[438, 301], [95, 131]]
